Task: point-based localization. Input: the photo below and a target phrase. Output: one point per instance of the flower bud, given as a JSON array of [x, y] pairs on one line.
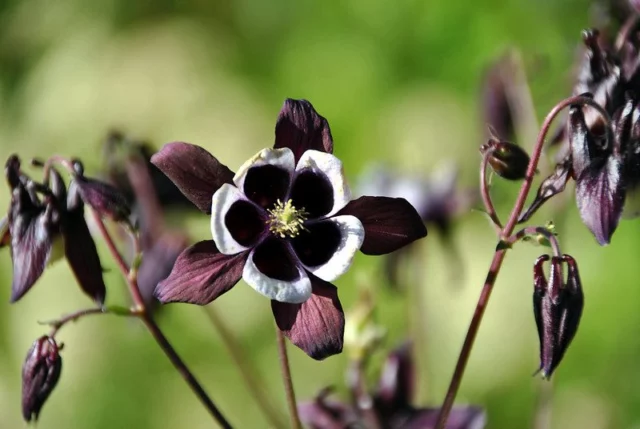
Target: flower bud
[[508, 160], [105, 199], [40, 374], [557, 308]]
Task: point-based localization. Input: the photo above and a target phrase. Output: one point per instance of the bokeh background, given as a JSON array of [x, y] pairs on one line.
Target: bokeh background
[[399, 82]]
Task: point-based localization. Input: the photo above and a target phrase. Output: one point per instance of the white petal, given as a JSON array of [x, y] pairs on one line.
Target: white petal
[[293, 292], [332, 168], [351, 238], [282, 158], [221, 202]]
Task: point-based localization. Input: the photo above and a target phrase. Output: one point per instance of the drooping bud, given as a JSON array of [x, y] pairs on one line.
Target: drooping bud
[[105, 199], [508, 160], [40, 374], [557, 308]]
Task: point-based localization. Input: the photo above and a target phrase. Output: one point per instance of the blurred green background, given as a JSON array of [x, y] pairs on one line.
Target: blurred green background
[[398, 81]]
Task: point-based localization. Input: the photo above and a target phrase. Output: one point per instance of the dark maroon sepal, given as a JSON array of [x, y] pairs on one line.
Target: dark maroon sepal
[[33, 230], [194, 171], [551, 186], [600, 194], [317, 325], [389, 223], [201, 274], [104, 199], [301, 128], [40, 374], [82, 255]]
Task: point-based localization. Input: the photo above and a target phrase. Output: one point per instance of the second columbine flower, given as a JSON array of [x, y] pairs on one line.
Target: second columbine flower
[[284, 223]]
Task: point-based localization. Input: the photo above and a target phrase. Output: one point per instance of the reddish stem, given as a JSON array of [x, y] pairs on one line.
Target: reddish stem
[[498, 257], [286, 378]]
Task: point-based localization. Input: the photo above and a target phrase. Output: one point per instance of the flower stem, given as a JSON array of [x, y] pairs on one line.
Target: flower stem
[[251, 378], [533, 230], [141, 312], [286, 378], [486, 195], [498, 257], [57, 324]]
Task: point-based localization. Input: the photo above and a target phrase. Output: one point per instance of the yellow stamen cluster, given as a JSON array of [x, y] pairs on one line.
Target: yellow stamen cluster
[[285, 220]]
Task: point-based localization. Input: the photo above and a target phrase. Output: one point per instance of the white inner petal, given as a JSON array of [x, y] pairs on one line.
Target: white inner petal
[[282, 158], [351, 238], [293, 292], [221, 202], [331, 167]]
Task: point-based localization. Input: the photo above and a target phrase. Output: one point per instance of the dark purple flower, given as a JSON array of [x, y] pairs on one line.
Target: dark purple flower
[[40, 374], [389, 404], [557, 308], [497, 106], [42, 217], [285, 224]]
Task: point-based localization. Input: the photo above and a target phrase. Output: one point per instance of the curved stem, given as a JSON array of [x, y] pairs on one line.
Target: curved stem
[[57, 324], [533, 230], [499, 255], [286, 378], [486, 195], [251, 378], [140, 309]]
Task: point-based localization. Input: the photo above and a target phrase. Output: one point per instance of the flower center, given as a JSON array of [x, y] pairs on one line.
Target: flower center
[[285, 220]]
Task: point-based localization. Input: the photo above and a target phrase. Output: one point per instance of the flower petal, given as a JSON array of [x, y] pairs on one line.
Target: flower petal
[[274, 271], [193, 170], [266, 177], [600, 196], [316, 325], [326, 413], [320, 186], [389, 223], [327, 248], [200, 275], [236, 224], [301, 128], [82, 255]]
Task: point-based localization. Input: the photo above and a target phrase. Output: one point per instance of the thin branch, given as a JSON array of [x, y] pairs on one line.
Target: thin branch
[[286, 378]]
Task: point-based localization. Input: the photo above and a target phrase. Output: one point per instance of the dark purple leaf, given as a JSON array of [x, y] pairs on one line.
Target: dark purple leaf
[[301, 128], [600, 196], [40, 374], [316, 325], [194, 171], [389, 223], [201, 274]]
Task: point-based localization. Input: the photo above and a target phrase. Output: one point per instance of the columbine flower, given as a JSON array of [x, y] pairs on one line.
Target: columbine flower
[[557, 308], [42, 217], [285, 224], [40, 374], [604, 162], [389, 405]]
